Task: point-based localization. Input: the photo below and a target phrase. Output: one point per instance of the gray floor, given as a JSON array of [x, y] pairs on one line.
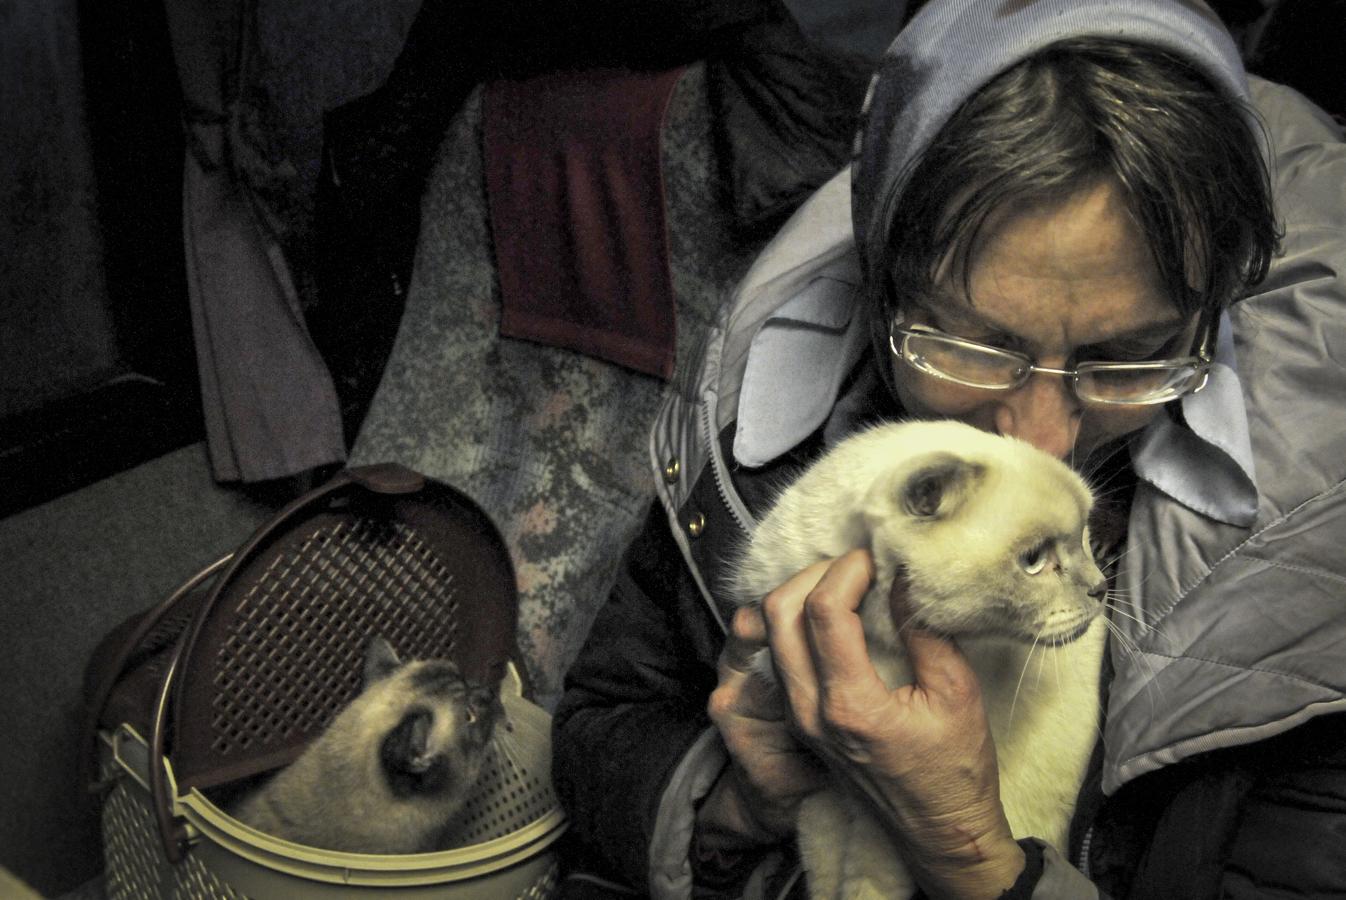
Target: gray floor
[[69, 571]]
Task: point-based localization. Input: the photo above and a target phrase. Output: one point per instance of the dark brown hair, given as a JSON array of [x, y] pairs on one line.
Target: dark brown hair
[[1186, 155]]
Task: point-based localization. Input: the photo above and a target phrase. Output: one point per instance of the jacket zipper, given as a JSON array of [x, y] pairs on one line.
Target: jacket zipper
[[728, 496]]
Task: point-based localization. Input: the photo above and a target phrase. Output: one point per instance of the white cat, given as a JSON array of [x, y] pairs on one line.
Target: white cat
[[992, 534], [392, 770]]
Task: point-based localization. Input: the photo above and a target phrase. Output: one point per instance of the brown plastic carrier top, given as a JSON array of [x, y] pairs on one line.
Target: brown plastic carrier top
[[232, 677]]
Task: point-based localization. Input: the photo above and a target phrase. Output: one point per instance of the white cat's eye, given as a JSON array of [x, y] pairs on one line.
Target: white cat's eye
[[1035, 560]]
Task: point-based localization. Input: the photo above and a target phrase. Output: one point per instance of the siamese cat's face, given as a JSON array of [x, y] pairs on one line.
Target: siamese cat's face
[[993, 543], [431, 726], [393, 769]]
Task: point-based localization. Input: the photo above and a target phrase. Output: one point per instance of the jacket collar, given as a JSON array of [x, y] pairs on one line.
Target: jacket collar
[[1206, 465]]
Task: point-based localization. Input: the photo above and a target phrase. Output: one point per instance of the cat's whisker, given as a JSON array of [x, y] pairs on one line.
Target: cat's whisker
[[1117, 610], [1140, 584], [1119, 638], [506, 744], [1104, 484], [906, 626], [1056, 667], [1129, 594], [1115, 558], [1125, 593], [1027, 658], [1095, 464], [1132, 649], [1102, 492], [1128, 643], [1144, 625], [1105, 492], [1144, 631]]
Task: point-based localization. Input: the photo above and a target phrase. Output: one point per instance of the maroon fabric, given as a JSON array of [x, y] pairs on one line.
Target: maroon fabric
[[575, 191]]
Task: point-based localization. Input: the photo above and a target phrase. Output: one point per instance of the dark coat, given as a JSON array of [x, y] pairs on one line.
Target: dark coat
[[1243, 822]]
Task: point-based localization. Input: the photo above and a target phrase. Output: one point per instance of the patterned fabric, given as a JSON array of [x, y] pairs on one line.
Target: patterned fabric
[[551, 443]]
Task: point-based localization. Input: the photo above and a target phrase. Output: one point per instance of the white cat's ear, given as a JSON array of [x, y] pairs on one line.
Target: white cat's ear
[[380, 660], [938, 485]]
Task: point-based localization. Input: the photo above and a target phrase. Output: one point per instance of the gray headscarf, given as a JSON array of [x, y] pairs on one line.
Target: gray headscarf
[[952, 48]]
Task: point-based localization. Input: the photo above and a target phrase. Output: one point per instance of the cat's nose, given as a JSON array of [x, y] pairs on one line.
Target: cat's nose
[[1099, 589]]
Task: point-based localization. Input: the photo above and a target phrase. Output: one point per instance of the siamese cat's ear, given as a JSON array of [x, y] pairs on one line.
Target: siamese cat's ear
[[939, 485], [483, 703], [380, 660]]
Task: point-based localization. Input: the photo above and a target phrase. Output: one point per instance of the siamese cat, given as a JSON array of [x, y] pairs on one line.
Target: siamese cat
[[392, 770], [992, 536]]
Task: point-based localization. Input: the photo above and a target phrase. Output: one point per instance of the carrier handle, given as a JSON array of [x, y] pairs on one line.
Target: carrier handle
[[172, 832], [96, 704], [385, 479]]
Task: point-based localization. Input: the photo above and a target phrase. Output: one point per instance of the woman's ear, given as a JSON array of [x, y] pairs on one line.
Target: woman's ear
[[938, 485]]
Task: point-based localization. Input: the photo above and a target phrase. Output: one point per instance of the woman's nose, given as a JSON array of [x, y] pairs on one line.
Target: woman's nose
[[1044, 412]]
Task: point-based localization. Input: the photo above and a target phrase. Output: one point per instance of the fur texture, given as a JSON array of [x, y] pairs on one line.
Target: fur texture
[[992, 535], [393, 769]]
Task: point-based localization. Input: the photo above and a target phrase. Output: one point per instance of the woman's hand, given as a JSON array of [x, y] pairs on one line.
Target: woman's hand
[[757, 799], [922, 753]]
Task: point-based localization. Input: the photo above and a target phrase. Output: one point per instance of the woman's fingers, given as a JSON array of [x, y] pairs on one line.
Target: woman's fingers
[[783, 611], [747, 635], [740, 693], [855, 706], [772, 771], [836, 634], [818, 644], [938, 665]]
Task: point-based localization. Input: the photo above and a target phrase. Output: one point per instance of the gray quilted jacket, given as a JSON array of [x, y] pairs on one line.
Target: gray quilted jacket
[[1241, 634]]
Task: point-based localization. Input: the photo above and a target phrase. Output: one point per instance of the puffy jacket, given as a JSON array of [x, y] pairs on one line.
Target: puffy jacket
[[1223, 769]]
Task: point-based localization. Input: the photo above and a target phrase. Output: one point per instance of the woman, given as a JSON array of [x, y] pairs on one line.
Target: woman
[[1041, 186]]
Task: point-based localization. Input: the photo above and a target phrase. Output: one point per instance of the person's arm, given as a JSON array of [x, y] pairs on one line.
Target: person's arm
[[1291, 833], [634, 706]]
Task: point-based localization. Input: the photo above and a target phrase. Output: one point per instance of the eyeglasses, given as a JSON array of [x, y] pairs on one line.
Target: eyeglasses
[[975, 365]]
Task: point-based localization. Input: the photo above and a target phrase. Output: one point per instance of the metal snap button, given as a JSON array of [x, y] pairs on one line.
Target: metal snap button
[[696, 524]]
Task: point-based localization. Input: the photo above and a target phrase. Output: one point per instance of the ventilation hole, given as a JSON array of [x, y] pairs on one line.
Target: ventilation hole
[[294, 655]]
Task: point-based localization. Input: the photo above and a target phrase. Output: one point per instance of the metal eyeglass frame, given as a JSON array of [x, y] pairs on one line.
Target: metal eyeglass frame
[[1200, 361]]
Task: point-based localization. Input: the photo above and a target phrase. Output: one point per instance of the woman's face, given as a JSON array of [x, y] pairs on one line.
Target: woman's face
[[1063, 282]]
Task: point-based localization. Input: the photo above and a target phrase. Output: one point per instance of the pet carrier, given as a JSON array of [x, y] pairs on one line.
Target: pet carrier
[[232, 675]]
